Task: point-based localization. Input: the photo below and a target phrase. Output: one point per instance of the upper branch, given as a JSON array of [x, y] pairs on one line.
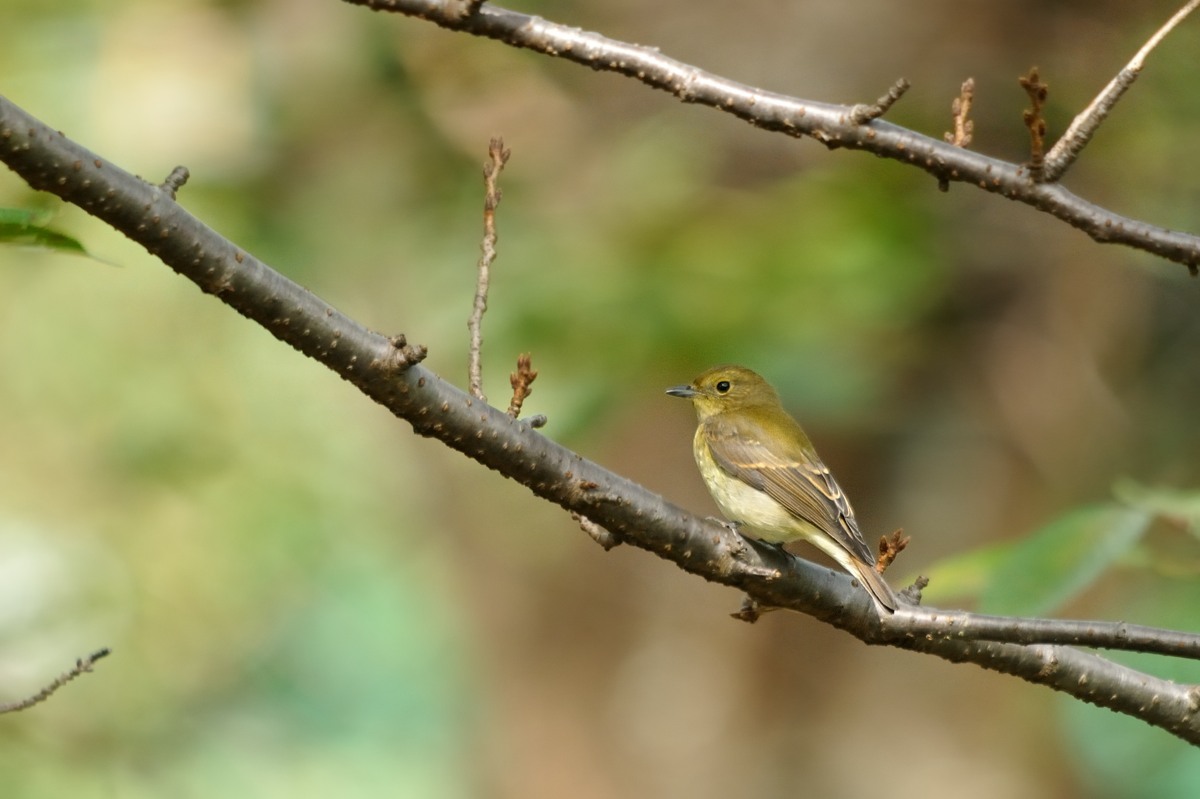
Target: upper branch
[[830, 124], [385, 369]]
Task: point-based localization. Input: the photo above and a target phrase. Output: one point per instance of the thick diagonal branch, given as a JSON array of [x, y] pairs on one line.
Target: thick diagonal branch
[[385, 369]]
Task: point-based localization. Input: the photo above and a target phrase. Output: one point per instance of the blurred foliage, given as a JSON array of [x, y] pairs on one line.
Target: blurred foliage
[[1148, 764], [21, 226], [303, 599], [1038, 574]]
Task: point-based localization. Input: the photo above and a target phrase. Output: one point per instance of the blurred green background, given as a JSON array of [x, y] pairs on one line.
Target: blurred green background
[[305, 600]]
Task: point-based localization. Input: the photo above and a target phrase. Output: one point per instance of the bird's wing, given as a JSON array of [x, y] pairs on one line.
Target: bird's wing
[[797, 480]]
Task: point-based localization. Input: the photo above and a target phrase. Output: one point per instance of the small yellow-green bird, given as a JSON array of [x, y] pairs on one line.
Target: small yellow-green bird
[[765, 474]]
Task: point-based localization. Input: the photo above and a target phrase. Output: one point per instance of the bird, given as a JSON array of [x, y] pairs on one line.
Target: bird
[[765, 475]]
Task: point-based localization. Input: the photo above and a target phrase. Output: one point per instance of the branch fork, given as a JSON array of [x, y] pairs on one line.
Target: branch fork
[[836, 126]]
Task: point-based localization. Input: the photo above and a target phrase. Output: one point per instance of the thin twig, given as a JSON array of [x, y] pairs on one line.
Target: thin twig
[[864, 113], [497, 158], [912, 594], [521, 382], [751, 610], [605, 538], [1087, 122], [404, 354], [964, 127], [82, 666], [889, 548], [174, 182], [1037, 91]]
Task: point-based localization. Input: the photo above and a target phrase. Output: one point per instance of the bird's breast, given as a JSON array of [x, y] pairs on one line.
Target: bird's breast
[[741, 502]]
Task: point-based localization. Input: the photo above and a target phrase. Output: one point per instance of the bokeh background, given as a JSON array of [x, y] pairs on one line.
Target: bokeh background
[[304, 599]]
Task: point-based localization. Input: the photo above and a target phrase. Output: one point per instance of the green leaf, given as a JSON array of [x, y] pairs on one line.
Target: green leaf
[[962, 575], [29, 228], [29, 217], [1056, 563]]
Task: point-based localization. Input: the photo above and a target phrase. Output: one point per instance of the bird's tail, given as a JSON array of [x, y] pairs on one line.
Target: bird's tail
[[873, 581]]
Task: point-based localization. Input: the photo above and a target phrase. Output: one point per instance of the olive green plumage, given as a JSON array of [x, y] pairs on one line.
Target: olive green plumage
[[764, 473]]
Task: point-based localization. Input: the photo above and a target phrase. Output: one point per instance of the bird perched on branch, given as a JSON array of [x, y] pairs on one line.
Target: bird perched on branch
[[765, 474]]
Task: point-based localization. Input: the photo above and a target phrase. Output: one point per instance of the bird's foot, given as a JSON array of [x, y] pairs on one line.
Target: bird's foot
[[750, 562]]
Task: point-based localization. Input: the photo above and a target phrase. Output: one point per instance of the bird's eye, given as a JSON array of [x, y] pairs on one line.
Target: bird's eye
[[723, 387]]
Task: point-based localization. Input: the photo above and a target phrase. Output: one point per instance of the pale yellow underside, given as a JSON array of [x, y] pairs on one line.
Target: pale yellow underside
[[763, 517]]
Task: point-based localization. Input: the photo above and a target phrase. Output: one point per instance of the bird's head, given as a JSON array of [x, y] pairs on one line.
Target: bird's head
[[726, 388]]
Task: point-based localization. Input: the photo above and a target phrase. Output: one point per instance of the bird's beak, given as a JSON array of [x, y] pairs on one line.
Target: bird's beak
[[687, 392]]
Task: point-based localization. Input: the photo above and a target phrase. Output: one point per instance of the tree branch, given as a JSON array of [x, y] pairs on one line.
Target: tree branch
[[1085, 125], [386, 370], [82, 666], [832, 125], [497, 157], [1116, 635]]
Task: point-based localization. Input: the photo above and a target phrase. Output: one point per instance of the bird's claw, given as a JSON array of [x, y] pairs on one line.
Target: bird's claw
[[751, 567], [741, 548]]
